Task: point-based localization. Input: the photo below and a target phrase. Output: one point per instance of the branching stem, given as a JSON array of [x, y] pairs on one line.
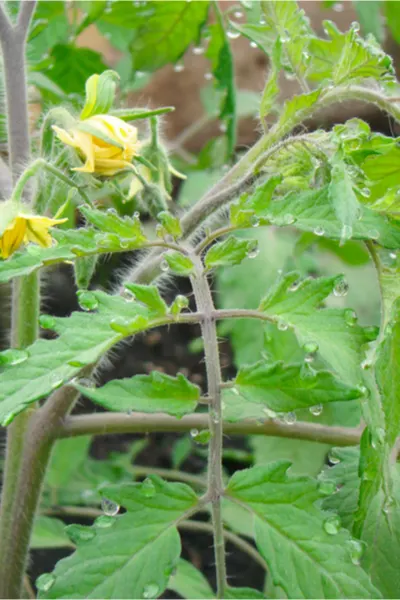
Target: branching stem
[[205, 305]]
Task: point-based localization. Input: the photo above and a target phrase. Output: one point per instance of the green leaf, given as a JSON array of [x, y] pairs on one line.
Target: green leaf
[[393, 19], [72, 66], [68, 455], [48, 364], [133, 114], [388, 377], [149, 296], [170, 223], [381, 534], [342, 197], [286, 519], [189, 582], [49, 533], [313, 211], [370, 18], [220, 55], [152, 393], [283, 388], [179, 263], [346, 57], [271, 89], [230, 252], [339, 338], [127, 556], [160, 31], [296, 110], [345, 478]]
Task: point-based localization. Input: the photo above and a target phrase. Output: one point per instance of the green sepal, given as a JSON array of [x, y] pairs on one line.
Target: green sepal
[[100, 93]]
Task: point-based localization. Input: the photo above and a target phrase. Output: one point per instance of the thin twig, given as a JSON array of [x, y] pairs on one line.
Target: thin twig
[[108, 422]]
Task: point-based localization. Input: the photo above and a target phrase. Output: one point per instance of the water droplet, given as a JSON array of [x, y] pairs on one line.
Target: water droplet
[[334, 460], [148, 490], [294, 286], [87, 300], [164, 266], [290, 418], [366, 192], [47, 322], [270, 414], [12, 357], [105, 521], [346, 233], [233, 34], [389, 502], [255, 221], [80, 533], [393, 255], [253, 252], [238, 14], [332, 525], [109, 507], [215, 417], [179, 67], [45, 582], [338, 7], [326, 488], [198, 50], [235, 391], [355, 26], [282, 326], [253, 45], [262, 21], [356, 550], [288, 219], [316, 410], [223, 127], [341, 287], [128, 295], [310, 347], [151, 591], [319, 230], [373, 234], [350, 317], [208, 76], [307, 372], [363, 390], [181, 301], [200, 437]]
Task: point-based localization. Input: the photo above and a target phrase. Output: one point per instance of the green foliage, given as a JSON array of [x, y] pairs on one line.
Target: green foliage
[[230, 252], [147, 393], [285, 518], [126, 556]]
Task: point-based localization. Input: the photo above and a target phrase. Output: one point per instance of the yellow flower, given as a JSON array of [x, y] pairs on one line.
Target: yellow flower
[[24, 229], [106, 144]]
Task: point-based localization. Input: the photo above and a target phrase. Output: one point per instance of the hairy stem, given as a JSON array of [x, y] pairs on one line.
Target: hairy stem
[[25, 294], [40, 436], [215, 488], [112, 423]]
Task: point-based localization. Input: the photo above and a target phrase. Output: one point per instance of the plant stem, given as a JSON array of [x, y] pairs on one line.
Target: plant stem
[[204, 303], [25, 295], [231, 537], [111, 423]]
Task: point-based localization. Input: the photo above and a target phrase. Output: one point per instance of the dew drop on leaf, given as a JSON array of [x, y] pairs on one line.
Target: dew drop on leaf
[[253, 45], [148, 490], [12, 357], [56, 381], [332, 525], [238, 14], [356, 550], [179, 67], [151, 590], [316, 410], [373, 234], [164, 266], [45, 582], [366, 192], [198, 50], [310, 347], [253, 252], [47, 322], [105, 521], [333, 460], [282, 326], [350, 317], [319, 230], [80, 533], [181, 301], [235, 391], [290, 418], [200, 437], [194, 432], [233, 34], [87, 300], [109, 507], [341, 288]]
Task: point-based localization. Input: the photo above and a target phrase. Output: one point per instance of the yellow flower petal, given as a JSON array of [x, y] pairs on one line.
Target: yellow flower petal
[[37, 230], [12, 237]]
